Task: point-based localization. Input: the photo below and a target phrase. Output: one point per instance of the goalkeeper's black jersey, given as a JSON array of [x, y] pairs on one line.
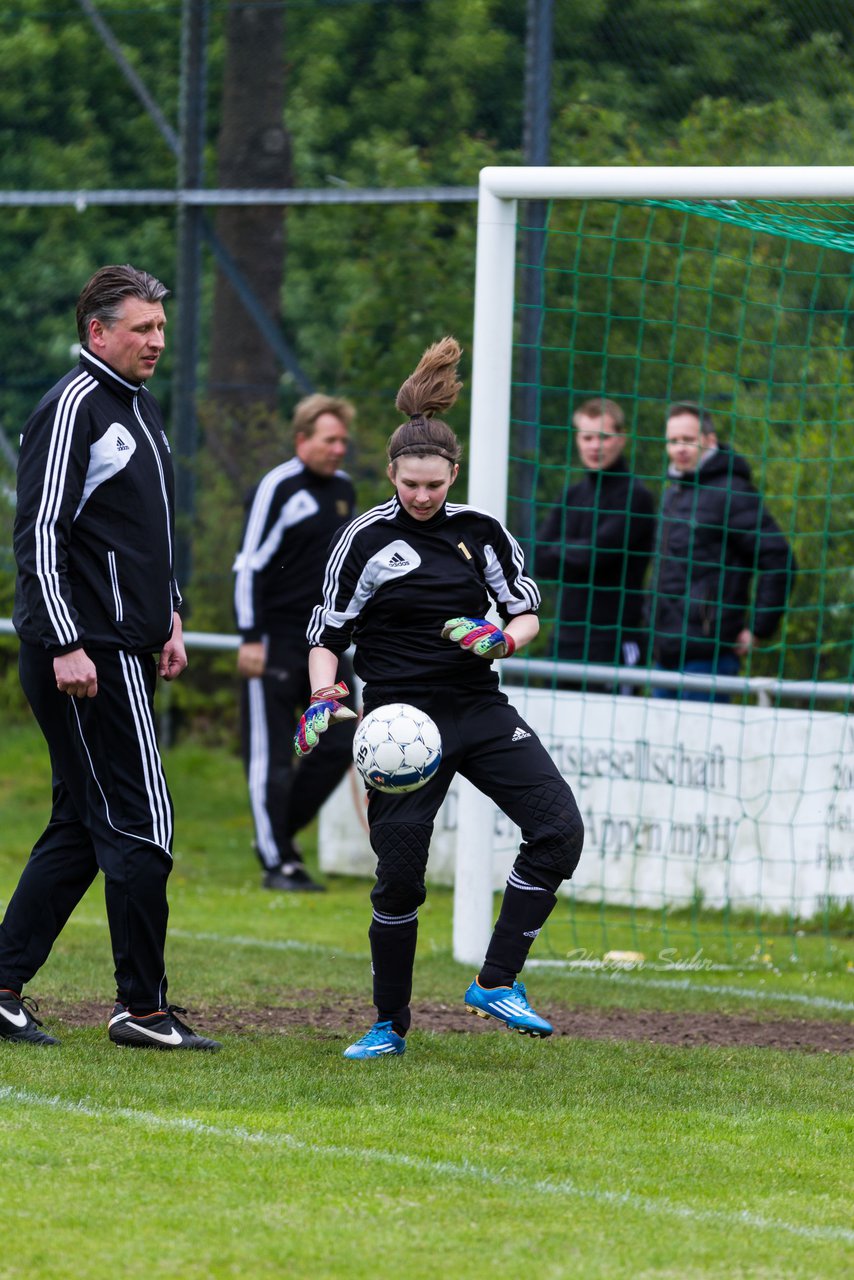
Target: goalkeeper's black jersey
[[392, 582]]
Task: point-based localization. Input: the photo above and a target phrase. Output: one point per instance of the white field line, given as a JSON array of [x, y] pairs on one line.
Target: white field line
[[573, 971], [675, 984], [268, 944], [685, 984], [226, 940], [463, 1169]]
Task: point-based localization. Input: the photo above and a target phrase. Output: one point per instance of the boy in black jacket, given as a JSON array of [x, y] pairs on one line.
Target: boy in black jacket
[[597, 545]]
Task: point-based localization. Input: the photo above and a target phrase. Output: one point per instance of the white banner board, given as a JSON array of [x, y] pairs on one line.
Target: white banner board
[[751, 807]]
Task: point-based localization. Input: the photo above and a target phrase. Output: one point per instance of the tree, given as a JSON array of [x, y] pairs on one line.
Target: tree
[[378, 94], [253, 151]]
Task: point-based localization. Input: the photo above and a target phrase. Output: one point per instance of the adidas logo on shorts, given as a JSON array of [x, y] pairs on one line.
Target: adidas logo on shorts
[[519, 733]]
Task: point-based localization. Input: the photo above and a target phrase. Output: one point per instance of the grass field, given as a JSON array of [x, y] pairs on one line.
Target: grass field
[[474, 1155]]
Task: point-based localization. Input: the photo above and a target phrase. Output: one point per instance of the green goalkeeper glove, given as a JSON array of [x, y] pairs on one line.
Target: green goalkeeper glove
[[480, 637], [324, 709]]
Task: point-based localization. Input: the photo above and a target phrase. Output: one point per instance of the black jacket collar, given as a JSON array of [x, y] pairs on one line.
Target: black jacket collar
[[108, 377], [617, 471]]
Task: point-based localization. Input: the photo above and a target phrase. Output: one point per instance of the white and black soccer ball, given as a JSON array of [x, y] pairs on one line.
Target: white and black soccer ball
[[397, 748]]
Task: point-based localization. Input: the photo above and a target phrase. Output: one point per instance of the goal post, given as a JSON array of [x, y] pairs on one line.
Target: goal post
[[754, 198]]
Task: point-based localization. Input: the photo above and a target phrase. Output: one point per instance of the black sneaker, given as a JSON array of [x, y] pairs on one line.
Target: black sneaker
[[291, 877], [17, 1022], [159, 1030]]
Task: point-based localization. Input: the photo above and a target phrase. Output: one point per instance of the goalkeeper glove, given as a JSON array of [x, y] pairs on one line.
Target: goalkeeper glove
[[479, 637], [323, 710]]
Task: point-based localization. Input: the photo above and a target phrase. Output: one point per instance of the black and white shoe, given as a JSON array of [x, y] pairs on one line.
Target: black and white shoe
[[291, 877], [162, 1029], [17, 1020]]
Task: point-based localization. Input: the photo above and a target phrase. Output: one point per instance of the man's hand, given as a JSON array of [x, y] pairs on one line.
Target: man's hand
[[75, 674], [173, 655], [744, 642], [480, 637], [251, 659], [324, 709]]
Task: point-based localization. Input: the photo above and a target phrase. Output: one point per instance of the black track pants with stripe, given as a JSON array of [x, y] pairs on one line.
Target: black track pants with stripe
[[111, 811]]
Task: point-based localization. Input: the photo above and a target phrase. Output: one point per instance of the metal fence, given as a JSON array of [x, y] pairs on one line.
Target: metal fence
[[766, 690]]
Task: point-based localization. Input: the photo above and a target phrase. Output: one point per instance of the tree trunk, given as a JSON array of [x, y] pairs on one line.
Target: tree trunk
[[253, 151]]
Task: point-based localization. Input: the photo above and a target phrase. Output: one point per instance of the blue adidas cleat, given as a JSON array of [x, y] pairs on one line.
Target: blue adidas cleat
[[379, 1042], [508, 1005]]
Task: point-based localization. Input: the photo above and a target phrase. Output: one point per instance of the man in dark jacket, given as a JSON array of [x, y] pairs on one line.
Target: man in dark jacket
[[597, 545], [95, 601], [291, 517], [723, 569]]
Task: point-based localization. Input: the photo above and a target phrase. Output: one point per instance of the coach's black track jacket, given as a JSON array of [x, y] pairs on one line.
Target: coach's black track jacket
[[392, 582], [290, 520], [94, 528]]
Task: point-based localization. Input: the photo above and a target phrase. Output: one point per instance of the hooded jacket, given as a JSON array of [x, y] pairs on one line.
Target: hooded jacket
[[597, 544], [94, 526], [716, 541]]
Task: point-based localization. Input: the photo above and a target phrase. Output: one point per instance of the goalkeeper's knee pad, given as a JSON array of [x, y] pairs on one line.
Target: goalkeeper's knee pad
[[401, 862], [555, 847]]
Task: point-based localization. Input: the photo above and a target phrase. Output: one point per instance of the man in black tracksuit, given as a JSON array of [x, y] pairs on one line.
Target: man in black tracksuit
[[95, 600], [597, 544], [290, 520], [717, 544]]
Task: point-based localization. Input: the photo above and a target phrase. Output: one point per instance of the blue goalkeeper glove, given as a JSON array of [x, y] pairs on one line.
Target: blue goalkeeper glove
[[324, 709], [480, 637]]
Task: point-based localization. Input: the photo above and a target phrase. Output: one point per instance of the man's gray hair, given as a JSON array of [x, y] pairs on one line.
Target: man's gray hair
[[101, 297]]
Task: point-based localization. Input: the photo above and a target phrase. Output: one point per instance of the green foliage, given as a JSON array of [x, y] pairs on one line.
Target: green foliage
[[69, 120], [400, 94], [433, 73]]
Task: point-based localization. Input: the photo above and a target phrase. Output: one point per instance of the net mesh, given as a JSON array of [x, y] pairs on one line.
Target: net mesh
[[725, 828]]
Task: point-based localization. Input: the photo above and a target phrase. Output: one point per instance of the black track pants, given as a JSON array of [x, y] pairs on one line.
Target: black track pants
[[111, 811], [285, 794]]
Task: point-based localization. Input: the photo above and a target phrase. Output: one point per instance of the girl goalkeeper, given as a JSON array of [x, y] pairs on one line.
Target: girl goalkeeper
[[409, 584]]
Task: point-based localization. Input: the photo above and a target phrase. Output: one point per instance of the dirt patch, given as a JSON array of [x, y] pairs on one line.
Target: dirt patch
[[326, 1013]]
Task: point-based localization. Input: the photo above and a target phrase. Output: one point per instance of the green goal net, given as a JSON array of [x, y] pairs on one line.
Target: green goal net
[[744, 307], [718, 832]]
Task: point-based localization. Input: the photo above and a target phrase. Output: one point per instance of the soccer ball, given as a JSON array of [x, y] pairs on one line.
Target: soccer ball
[[397, 748]]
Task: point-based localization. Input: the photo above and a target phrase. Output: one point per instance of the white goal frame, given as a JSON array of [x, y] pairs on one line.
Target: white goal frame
[[499, 191]]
